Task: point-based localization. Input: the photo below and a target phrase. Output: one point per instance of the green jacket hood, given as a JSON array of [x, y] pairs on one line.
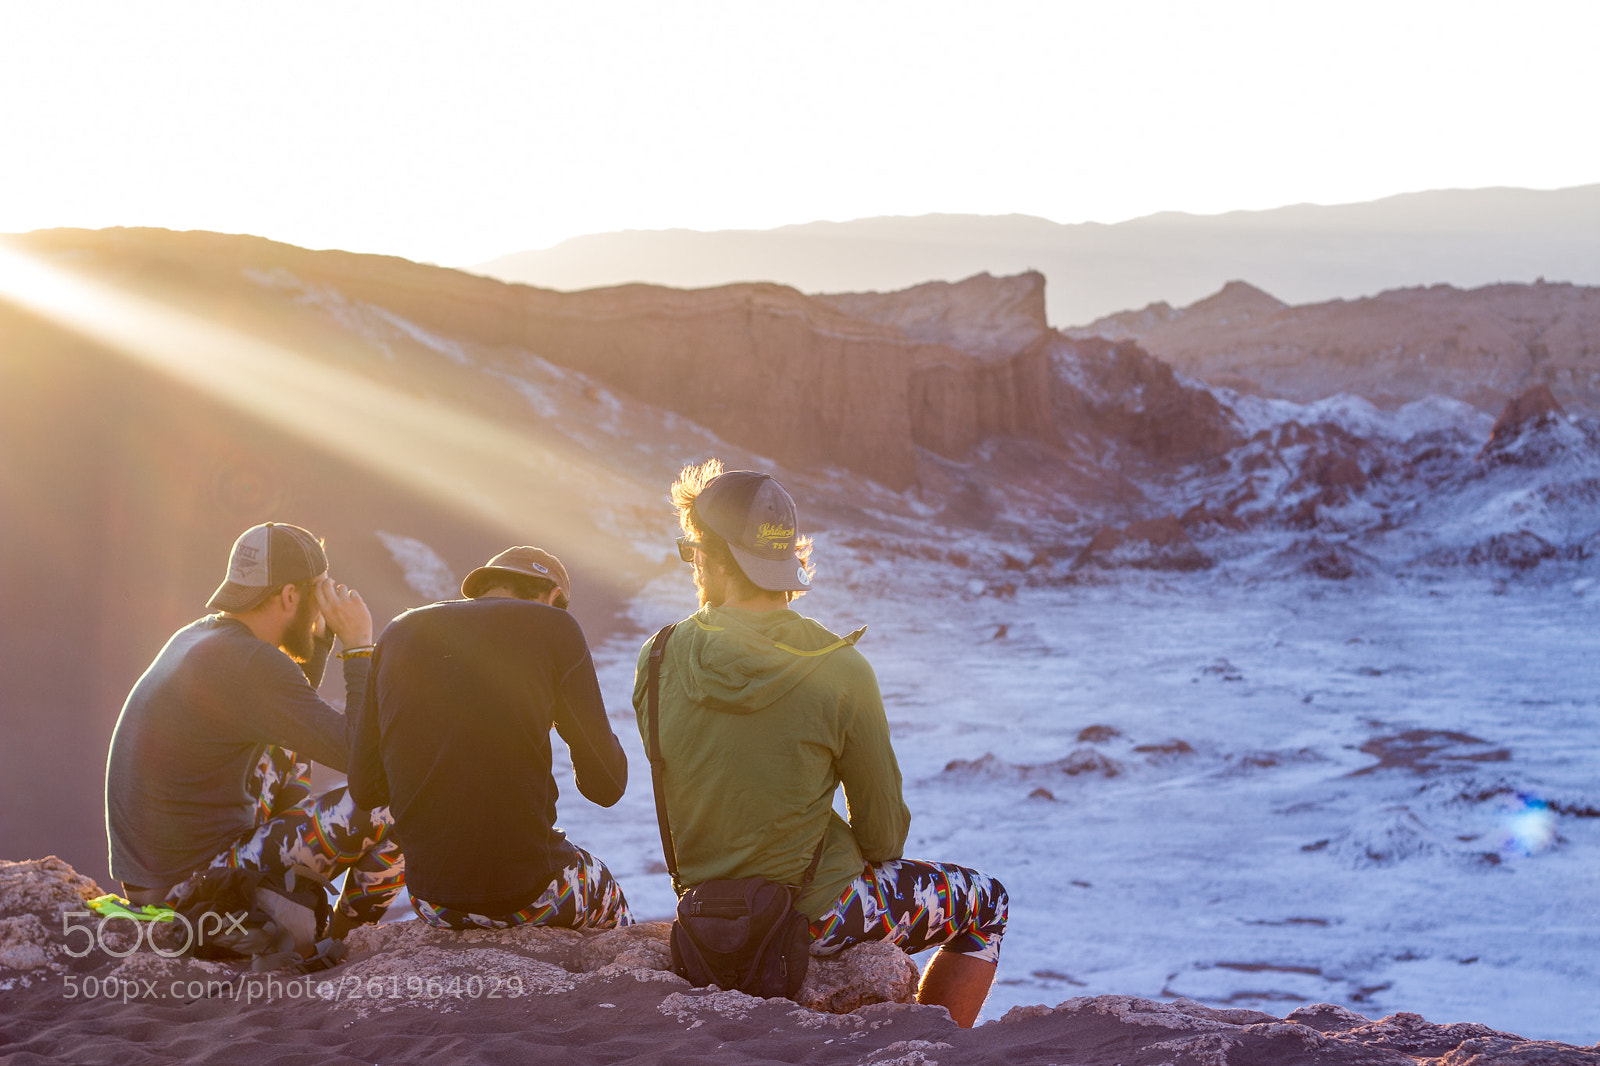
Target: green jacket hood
[[745, 661]]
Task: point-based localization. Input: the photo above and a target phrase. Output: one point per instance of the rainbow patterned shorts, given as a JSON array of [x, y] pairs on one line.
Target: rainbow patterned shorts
[[327, 834], [916, 906], [582, 896]]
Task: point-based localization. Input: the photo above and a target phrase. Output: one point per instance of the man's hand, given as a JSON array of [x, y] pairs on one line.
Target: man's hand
[[346, 615]]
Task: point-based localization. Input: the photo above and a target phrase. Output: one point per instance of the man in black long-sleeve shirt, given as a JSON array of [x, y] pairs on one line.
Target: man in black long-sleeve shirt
[[208, 765], [455, 738]]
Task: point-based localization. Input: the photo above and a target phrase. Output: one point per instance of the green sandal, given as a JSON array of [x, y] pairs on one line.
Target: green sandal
[[113, 906]]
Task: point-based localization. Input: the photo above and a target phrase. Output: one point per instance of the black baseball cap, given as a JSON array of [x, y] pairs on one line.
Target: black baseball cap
[[756, 516], [266, 557]]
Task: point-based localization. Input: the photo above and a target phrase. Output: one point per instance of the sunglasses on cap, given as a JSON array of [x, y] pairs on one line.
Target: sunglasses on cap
[[687, 548]]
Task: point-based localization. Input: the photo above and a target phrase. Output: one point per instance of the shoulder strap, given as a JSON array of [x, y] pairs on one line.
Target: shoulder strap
[[816, 860], [657, 765]]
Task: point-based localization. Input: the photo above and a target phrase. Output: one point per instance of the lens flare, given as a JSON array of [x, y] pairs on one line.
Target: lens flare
[[1530, 827]]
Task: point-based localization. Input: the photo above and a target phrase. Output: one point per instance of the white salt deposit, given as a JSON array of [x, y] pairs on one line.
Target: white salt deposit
[[425, 569]]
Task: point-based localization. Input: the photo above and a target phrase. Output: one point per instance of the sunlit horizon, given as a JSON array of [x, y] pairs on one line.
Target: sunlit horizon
[[456, 138], [801, 222]]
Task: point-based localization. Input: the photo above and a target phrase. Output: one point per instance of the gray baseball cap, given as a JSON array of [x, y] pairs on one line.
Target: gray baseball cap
[[266, 557], [756, 516]]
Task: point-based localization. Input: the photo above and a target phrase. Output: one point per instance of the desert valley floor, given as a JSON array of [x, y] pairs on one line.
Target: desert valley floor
[[1374, 793]]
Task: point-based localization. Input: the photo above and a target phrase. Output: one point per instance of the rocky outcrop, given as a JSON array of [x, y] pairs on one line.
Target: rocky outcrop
[[761, 365], [1128, 1030], [1019, 379], [410, 992], [43, 888], [1299, 476], [984, 316], [859, 977], [34, 895], [957, 404], [1532, 429], [1235, 305], [1154, 544], [1117, 392], [563, 959], [1480, 345], [993, 381], [1203, 518], [1533, 407], [1333, 560]]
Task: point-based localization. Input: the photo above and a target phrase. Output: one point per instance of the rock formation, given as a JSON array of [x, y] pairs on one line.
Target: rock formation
[[564, 958], [856, 381], [36, 894], [985, 374], [1482, 345], [1129, 1030], [984, 316], [1532, 407], [1532, 429], [1117, 393], [408, 992], [1154, 544]]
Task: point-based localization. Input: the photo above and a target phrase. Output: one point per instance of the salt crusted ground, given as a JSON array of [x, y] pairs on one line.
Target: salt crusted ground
[[1375, 795]]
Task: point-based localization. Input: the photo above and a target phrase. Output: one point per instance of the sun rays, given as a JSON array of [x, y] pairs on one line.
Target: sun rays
[[524, 487]]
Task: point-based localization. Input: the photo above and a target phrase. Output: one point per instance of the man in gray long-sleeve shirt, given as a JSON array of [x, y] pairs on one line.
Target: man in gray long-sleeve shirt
[[208, 762]]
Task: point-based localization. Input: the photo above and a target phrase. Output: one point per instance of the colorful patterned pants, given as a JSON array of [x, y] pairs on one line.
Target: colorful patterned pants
[[916, 906], [582, 896], [327, 834]]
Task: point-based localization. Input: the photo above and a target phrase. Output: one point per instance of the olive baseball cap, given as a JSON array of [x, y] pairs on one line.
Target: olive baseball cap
[[756, 516], [529, 562], [266, 557]]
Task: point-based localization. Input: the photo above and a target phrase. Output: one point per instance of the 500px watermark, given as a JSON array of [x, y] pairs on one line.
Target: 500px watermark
[[84, 934], [252, 988], [261, 988], [211, 927], [415, 986]]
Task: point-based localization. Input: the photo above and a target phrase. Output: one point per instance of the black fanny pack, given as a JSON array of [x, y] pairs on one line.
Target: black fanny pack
[[742, 934]]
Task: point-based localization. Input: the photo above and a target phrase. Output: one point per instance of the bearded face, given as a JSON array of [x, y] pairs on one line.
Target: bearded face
[[299, 636]]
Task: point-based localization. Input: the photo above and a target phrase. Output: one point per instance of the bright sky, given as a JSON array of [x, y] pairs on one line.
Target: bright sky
[[455, 133]]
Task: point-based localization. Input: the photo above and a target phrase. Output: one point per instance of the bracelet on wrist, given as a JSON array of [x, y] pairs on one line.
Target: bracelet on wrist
[[363, 651]]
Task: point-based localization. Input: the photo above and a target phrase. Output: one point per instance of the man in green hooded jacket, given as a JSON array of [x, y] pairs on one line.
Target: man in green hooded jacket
[[762, 715]]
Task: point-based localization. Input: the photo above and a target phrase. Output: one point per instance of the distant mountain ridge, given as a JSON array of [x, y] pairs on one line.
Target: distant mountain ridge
[[1304, 253]]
